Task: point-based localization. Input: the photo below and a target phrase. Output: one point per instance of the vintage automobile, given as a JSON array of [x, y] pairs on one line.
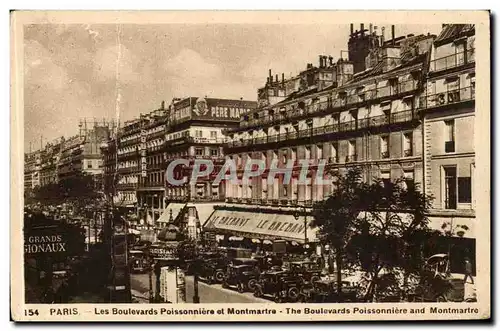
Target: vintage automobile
[[308, 271], [190, 265], [138, 261], [282, 285], [243, 276], [212, 270], [325, 291]]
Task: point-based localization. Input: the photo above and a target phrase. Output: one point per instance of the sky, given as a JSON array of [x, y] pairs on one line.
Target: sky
[[80, 71]]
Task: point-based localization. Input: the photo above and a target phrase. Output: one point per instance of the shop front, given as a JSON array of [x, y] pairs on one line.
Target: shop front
[[263, 230]]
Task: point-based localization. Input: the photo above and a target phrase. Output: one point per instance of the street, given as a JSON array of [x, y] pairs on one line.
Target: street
[[208, 293]]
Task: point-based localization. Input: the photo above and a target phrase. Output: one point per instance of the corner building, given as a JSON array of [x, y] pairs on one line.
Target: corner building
[[196, 129]]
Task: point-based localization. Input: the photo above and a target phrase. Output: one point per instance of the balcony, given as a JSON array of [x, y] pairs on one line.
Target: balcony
[[384, 155], [453, 61], [371, 122], [127, 170], [408, 152], [126, 186], [447, 98]]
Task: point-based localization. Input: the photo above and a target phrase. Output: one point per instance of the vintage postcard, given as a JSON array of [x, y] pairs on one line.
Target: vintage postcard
[[250, 166]]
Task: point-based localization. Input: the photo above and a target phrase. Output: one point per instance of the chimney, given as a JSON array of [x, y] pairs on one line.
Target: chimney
[[371, 29], [277, 80], [352, 29], [362, 29], [163, 105], [270, 74], [393, 34], [321, 61], [267, 79], [283, 77], [331, 60], [271, 79], [382, 37]]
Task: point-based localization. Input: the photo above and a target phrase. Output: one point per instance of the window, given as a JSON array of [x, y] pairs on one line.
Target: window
[[333, 152], [89, 164], [385, 176], [198, 134], [409, 179], [450, 187], [307, 152], [214, 152], [319, 152], [213, 134], [215, 190], [351, 151], [407, 144], [449, 144], [199, 152], [464, 190], [384, 147], [285, 191]]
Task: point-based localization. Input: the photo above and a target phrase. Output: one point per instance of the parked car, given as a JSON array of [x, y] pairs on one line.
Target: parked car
[[280, 284], [310, 272], [138, 261], [325, 291], [213, 270], [243, 276]]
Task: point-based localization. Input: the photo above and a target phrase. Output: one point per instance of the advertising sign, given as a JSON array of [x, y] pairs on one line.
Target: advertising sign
[[207, 108], [167, 251], [143, 154], [53, 241]]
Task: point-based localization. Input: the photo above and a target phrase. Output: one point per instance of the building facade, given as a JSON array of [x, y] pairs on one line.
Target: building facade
[[449, 107], [366, 116]]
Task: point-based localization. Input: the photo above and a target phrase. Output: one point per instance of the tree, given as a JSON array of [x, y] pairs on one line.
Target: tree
[[389, 234], [335, 216], [379, 228]]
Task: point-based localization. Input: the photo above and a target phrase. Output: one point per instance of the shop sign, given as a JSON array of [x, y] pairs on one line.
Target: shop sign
[[164, 252], [44, 244]]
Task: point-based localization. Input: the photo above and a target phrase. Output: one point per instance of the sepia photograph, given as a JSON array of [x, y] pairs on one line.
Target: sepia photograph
[[330, 162]]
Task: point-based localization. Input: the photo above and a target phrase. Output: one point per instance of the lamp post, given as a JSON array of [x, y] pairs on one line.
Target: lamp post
[[196, 267]]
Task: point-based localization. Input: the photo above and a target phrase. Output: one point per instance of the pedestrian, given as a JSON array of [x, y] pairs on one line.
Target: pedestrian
[[468, 271]]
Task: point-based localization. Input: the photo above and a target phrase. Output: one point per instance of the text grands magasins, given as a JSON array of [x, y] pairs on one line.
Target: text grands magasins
[[44, 244], [277, 226]]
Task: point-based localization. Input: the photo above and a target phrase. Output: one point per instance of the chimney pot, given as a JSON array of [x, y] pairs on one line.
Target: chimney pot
[[362, 29], [283, 77], [352, 29], [277, 80], [270, 73], [393, 33]]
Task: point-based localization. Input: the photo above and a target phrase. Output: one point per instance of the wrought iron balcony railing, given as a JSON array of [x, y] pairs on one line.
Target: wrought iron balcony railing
[[447, 97]]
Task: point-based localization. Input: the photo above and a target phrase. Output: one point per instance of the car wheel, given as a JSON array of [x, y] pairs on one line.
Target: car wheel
[[219, 276], [293, 294], [225, 285], [277, 297], [241, 288], [257, 292], [315, 279], [251, 284]]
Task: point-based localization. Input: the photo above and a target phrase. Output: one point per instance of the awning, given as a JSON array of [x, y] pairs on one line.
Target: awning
[[203, 211], [263, 226], [172, 208]]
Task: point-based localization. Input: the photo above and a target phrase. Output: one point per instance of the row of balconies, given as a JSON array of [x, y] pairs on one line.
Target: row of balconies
[[447, 97], [334, 104], [357, 124]]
